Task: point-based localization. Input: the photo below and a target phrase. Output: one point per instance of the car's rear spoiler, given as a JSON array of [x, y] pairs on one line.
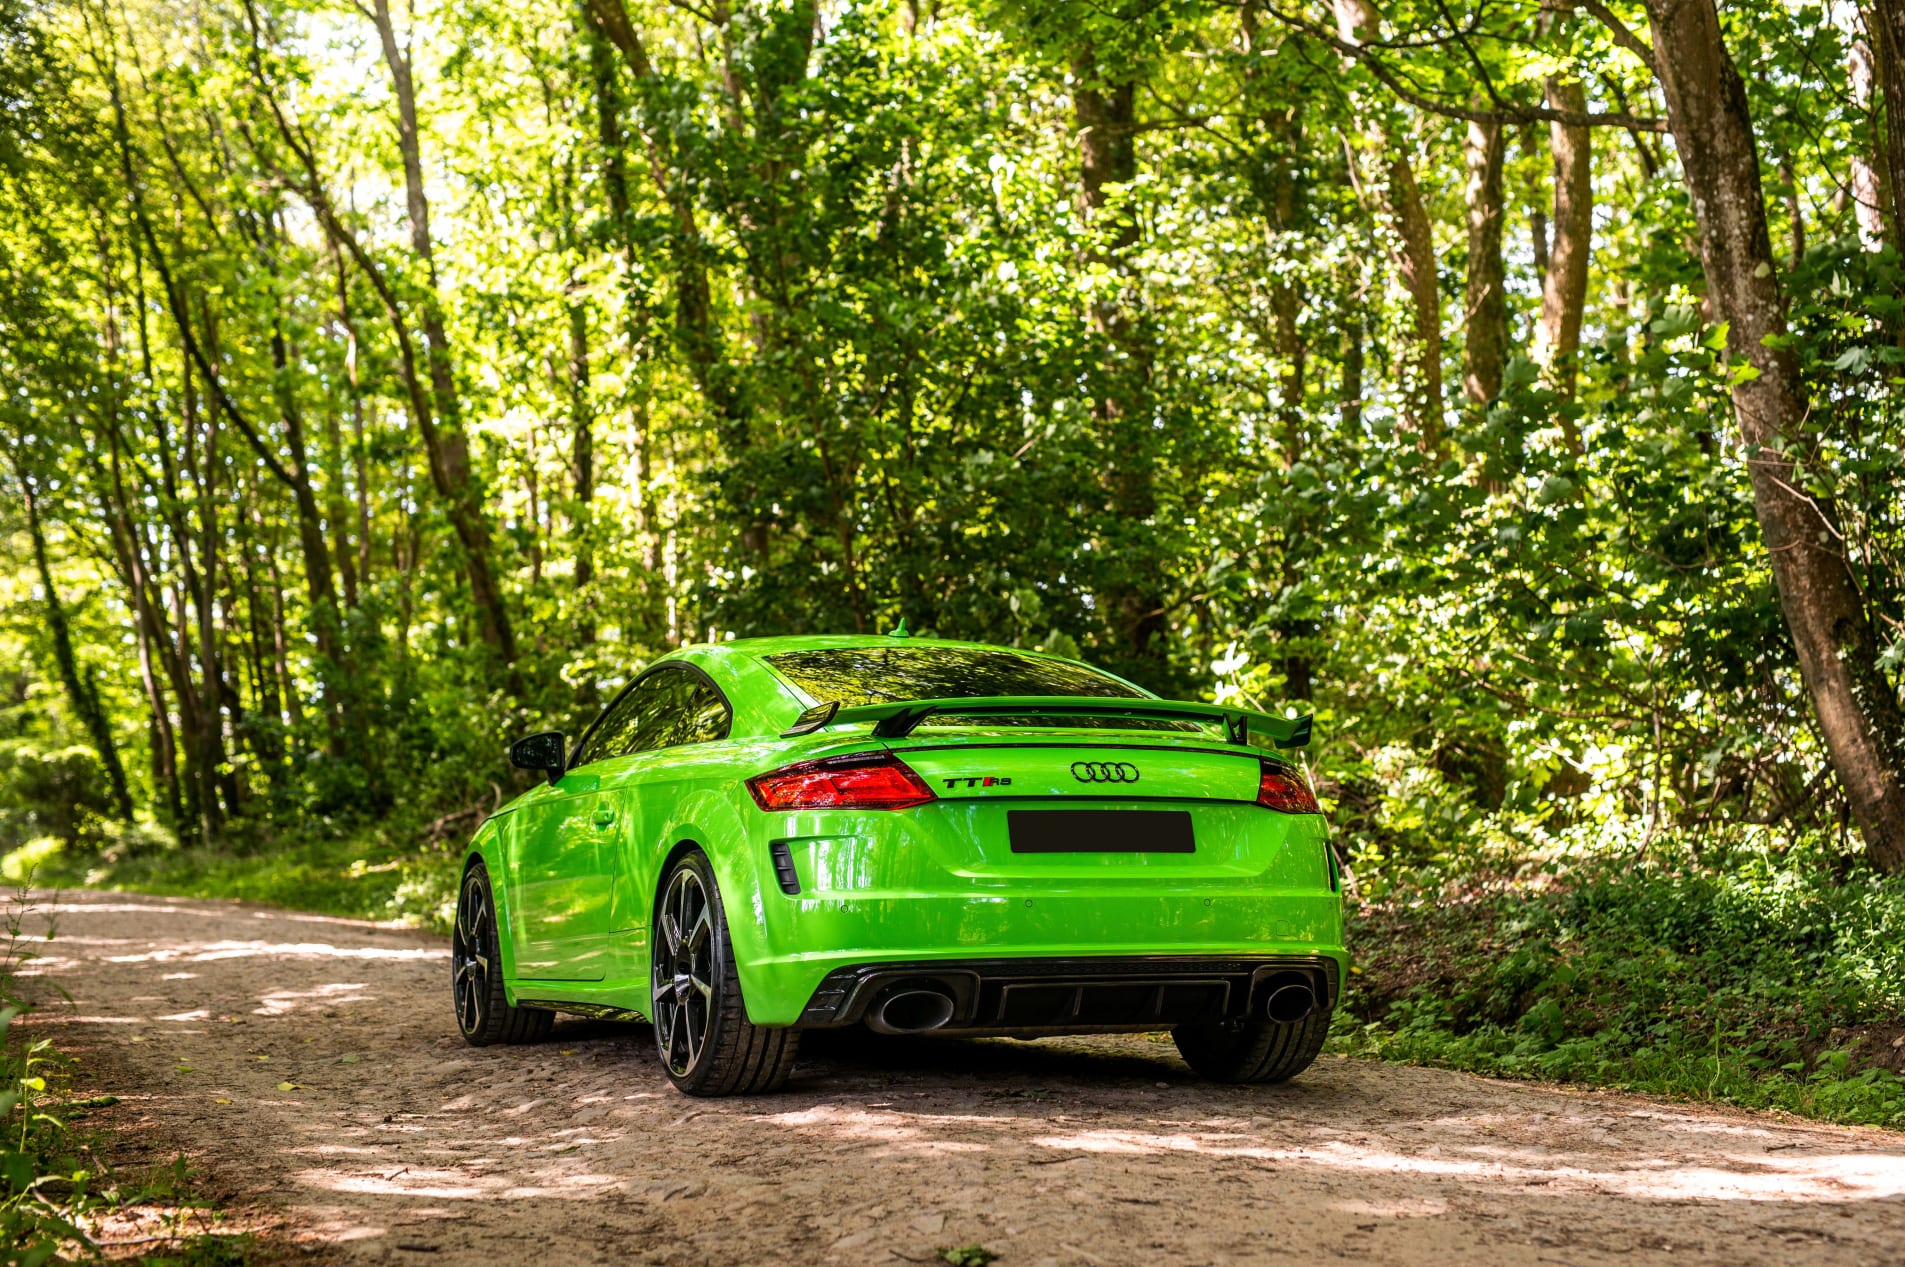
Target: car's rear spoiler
[[898, 718]]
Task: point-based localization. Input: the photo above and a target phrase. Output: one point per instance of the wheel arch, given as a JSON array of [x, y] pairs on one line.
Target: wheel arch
[[485, 850], [720, 832]]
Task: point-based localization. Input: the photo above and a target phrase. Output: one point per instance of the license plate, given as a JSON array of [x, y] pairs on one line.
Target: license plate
[[1100, 831]]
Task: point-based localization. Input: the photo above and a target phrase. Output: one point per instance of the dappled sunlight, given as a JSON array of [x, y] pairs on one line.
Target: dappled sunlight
[[282, 1002], [214, 951], [393, 1133]]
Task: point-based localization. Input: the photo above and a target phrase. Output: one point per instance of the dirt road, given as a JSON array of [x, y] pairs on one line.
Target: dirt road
[[310, 1066]]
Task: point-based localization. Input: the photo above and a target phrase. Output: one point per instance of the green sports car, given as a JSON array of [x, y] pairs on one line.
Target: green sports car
[[773, 835]]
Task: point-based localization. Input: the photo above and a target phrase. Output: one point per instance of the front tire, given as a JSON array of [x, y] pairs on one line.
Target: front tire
[[483, 1012], [707, 1044], [1255, 1050]]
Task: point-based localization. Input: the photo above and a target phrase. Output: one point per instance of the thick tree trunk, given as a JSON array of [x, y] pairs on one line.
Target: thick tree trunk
[[1564, 285], [1886, 21], [1857, 707], [81, 692], [1104, 112], [442, 426], [1871, 198], [1415, 265], [1485, 345]]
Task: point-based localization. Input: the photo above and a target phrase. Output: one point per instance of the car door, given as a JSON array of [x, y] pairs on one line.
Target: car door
[[684, 712], [565, 847], [569, 844]]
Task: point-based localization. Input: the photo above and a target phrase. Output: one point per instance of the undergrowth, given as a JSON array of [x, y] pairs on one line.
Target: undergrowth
[[1747, 972]]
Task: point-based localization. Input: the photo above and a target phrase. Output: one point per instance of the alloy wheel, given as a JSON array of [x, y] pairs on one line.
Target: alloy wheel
[[469, 954], [684, 972]]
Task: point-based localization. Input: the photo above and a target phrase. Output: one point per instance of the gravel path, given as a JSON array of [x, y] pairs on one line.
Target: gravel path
[[310, 1066]]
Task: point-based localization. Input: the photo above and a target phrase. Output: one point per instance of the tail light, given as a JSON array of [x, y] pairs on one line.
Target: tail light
[[856, 781], [1282, 789]]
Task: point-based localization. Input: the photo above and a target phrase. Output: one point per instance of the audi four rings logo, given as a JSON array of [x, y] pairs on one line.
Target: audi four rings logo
[[1104, 772]]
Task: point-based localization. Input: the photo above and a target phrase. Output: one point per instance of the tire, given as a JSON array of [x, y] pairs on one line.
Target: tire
[[483, 1013], [707, 1044], [1255, 1050]]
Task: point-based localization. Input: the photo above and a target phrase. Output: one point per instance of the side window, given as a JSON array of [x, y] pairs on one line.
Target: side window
[[699, 714], [614, 734], [668, 707]]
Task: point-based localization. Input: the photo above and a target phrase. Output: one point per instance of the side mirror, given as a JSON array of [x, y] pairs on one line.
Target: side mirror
[[543, 752]]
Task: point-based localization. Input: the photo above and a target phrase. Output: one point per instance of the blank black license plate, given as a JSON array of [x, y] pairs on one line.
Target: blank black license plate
[[1100, 831]]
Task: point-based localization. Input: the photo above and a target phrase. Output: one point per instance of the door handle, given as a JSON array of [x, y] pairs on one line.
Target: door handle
[[603, 817]]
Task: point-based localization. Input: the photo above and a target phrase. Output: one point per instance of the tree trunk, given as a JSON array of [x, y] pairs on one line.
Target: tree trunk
[[1415, 265], [1886, 21], [1350, 398], [1356, 22], [1485, 345], [129, 550], [1795, 214], [81, 692], [696, 333], [1564, 285], [1856, 706], [1104, 112], [1870, 199], [442, 424]]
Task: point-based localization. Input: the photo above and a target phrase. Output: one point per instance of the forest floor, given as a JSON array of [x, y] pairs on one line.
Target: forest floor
[[308, 1067]]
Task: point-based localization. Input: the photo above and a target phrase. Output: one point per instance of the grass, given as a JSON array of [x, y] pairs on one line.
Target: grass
[[379, 872], [1760, 976]]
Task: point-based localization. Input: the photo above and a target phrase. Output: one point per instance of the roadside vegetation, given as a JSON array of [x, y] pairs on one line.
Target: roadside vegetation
[[384, 385]]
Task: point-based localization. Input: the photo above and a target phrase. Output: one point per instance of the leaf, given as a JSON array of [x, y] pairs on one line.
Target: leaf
[[966, 1255], [289, 1086]]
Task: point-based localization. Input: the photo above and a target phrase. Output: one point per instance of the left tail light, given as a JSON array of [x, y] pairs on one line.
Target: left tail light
[[1283, 789], [877, 780]]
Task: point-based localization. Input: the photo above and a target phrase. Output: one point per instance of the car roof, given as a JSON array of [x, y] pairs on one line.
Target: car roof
[[819, 642]]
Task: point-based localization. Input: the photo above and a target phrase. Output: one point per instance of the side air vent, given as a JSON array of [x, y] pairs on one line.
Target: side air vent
[[784, 868]]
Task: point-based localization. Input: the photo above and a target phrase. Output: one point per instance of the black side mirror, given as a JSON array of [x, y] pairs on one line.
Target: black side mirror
[[543, 752]]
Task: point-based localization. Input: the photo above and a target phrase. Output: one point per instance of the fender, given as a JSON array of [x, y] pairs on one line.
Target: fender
[[489, 848], [711, 820]]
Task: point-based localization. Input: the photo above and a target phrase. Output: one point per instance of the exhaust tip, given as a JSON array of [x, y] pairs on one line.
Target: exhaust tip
[[1290, 1002], [910, 1012]]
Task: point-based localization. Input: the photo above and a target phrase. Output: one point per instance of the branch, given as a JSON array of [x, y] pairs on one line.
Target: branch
[[174, 300], [1622, 36], [1507, 114]]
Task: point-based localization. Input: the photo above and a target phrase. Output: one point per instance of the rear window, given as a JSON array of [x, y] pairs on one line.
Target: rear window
[[876, 675]]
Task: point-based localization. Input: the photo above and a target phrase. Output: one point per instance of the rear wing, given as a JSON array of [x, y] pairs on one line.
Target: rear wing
[[898, 718]]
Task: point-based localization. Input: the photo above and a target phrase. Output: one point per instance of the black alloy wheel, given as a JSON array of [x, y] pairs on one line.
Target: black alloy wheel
[[702, 1032], [483, 1013]]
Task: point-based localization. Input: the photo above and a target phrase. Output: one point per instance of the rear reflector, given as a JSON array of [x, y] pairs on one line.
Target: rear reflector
[[1284, 790], [856, 781]]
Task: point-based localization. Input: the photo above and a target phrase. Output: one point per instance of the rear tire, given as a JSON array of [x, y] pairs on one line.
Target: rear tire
[[707, 1044], [483, 1012], [1253, 1050]]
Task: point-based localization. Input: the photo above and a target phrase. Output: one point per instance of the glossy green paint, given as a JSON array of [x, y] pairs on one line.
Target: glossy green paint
[[577, 863]]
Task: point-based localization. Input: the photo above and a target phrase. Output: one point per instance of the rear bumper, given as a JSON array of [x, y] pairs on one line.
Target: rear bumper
[[813, 941], [1068, 995]]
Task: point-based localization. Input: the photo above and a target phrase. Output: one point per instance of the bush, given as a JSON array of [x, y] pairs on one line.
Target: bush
[[1757, 973]]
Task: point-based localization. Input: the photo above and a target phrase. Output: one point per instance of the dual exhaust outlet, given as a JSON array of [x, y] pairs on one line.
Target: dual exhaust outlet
[[920, 1009]]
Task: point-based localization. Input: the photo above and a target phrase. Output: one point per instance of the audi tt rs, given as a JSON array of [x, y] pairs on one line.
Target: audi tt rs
[[764, 837]]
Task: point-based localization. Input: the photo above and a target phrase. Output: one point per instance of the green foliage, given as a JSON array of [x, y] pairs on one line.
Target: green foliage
[[807, 318], [1748, 971]]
